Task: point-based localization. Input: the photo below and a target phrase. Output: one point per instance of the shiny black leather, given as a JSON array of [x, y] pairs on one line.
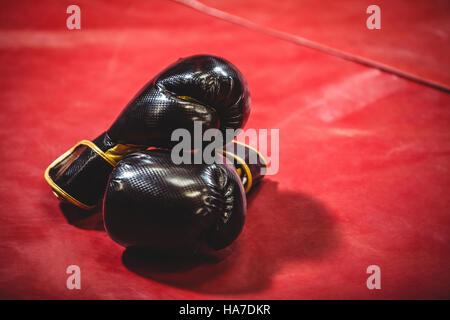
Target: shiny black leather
[[151, 202], [198, 88]]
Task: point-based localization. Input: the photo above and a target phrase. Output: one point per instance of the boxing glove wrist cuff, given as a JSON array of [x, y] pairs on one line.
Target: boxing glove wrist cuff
[[79, 176], [242, 155]]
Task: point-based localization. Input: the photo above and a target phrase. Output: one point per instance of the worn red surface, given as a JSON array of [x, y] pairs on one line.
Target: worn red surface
[[364, 160], [413, 38]]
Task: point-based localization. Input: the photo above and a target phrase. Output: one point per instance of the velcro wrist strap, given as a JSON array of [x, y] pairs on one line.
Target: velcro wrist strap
[[57, 190], [64, 189], [243, 168]]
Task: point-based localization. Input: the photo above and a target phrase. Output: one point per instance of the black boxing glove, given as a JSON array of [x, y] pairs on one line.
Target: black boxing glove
[[200, 88], [165, 208]]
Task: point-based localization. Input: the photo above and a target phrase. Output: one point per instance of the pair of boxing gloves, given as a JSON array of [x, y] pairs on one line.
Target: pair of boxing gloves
[[148, 200]]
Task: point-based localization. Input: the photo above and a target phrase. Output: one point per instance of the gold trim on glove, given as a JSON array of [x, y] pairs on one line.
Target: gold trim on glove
[[116, 153], [245, 167], [112, 156]]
